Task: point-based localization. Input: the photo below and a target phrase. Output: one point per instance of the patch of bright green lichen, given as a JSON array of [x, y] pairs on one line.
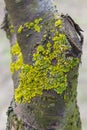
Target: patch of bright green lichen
[[17, 64], [34, 25], [49, 69], [20, 29], [58, 23]]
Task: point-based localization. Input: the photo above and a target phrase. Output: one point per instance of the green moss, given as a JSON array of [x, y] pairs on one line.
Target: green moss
[[50, 65]]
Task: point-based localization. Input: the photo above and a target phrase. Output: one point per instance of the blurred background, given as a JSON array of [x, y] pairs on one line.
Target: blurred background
[[78, 10]]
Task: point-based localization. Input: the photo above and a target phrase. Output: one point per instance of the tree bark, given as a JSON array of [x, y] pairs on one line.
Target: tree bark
[[49, 111]]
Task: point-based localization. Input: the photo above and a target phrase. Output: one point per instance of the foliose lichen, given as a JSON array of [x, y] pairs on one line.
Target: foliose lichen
[[50, 65], [17, 64], [34, 25]]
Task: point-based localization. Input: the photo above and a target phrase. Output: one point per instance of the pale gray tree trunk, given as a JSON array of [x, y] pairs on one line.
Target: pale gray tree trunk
[[51, 111]]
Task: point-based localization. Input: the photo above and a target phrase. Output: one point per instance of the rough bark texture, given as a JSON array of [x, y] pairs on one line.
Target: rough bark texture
[[50, 111]]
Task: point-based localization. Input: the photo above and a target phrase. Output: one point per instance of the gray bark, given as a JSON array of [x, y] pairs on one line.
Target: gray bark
[[51, 111]]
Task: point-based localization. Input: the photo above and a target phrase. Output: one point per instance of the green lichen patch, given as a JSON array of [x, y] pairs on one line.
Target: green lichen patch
[[44, 74], [17, 64], [58, 23], [20, 29], [33, 25], [49, 68]]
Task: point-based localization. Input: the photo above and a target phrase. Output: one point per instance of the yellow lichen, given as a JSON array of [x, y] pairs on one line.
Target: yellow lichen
[[58, 23], [17, 64], [49, 70], [33, 25], [49, 66], [20, 29]]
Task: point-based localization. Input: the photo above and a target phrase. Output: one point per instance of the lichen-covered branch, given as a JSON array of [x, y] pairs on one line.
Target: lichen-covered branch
[[46, 51]]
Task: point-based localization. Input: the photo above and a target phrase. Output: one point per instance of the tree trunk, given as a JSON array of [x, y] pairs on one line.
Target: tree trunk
[[50, 110]]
